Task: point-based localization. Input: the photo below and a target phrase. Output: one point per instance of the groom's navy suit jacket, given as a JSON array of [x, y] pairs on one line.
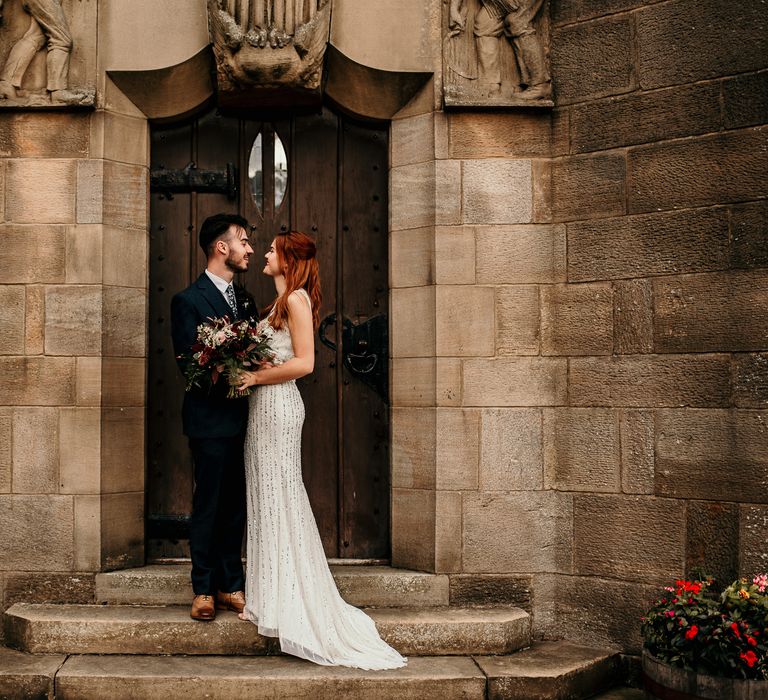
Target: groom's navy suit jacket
[[207, 413]]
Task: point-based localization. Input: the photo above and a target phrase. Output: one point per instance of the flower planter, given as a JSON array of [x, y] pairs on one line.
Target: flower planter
[[667, 682]]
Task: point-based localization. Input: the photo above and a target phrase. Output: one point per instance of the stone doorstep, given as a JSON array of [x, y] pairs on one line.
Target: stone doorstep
[[96, 629], [547, 671], [375, 586]]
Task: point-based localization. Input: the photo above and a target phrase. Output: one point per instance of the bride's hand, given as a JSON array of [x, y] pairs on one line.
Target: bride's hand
[[246, 379]]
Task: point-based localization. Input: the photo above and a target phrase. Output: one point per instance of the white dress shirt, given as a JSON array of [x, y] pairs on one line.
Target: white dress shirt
[[221, 284]]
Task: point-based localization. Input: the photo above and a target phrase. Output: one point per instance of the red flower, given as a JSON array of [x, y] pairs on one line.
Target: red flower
[[691, 633], [750, 658], [752, 641], [735, 629]]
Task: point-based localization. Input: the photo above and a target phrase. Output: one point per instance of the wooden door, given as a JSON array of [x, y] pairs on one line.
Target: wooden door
[[334, 187]]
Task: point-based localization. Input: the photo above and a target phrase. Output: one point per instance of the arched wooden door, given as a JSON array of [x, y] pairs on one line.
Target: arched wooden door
[[324, 174]]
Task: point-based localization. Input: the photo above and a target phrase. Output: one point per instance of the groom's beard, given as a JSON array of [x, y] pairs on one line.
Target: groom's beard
[[237, 265]]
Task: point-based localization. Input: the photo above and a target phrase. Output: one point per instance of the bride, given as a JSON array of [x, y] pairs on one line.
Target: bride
[[289, 590]]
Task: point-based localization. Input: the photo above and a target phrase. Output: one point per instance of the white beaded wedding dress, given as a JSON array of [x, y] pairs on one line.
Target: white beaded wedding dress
[[289, 590]]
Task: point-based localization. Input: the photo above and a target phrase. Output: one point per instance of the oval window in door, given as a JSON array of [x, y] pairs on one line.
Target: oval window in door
[[256, 172], [281, 172]]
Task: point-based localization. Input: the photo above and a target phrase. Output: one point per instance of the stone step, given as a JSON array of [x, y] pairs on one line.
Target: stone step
[[27, 676], [551, 671], [375, 586], [96, 629]]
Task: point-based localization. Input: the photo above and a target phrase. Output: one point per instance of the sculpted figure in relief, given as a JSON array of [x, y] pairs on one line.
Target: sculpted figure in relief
[[48, 26], [495, 21]]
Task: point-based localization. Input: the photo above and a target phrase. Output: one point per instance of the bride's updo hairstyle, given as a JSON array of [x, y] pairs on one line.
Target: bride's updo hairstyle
[[296, 252]]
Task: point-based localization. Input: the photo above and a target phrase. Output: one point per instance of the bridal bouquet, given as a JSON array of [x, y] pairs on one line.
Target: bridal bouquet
[[225, 347]]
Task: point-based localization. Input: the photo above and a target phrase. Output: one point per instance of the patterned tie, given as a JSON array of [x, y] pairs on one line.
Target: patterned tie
[[230, 294]]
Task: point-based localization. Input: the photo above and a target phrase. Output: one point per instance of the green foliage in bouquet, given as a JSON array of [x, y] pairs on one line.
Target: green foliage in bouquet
[[225, 347], [724, 635]]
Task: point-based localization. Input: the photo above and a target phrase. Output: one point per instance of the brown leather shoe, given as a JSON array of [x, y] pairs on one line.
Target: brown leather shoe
[[202, 608], [234, 601]]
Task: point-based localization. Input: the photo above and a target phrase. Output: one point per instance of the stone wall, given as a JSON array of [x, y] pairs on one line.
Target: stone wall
[[73, 245], [579, 320]]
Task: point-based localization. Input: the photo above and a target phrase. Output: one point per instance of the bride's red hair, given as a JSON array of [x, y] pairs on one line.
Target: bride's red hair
[[296, 252]]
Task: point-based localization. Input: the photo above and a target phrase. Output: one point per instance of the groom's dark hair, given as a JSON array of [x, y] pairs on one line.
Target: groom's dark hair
[[214, 227]]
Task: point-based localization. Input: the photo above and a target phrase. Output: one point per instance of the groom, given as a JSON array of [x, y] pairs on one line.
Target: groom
[[214, 424]]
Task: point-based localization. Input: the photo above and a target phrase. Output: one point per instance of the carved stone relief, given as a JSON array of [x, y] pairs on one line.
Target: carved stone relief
[[269, 44], [36, 49], [496, 53]]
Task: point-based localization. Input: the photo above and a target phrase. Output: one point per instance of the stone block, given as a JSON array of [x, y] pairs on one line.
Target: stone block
[[413, 381], [88, 533], [745, 100], [122, 530], [577, 319], [126, 195], [716, 169], [491, 589], [413, 322], [522, 532], [412, 196], [581, 450], [84, 254], [448, 381], [500, 134], [633, 317], [635, 538], [588, 187], [123, 381], [749, 235], [26, 545], [441, 135], [413, 529], [413, 448], [645, 118], [35, 450], [712, 540], [725, 311], [650, 381], [411, 257], [514, 381], [457, 449], [125, 257], [454, 255], [27, 676], [496, 191], [122, 450], [511, 456], [124, 322], [753, 534], [6, 449], [726, 40], [542, 191], [517, 320], [412, 140], [654, 244], [44, 135], [520, 254], [578, 10], [80, 450], [40, 191], [90, 191], [637, 435], [125, 138], [602, 612], [592, 59], [31, 254], [88, 381], [72, 320], [464, 321], [34, 321], [707, 454], [12, 315], [448, 531], [2, 196], [37, 381], [49, 587], [447, 197], [750, 380]]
